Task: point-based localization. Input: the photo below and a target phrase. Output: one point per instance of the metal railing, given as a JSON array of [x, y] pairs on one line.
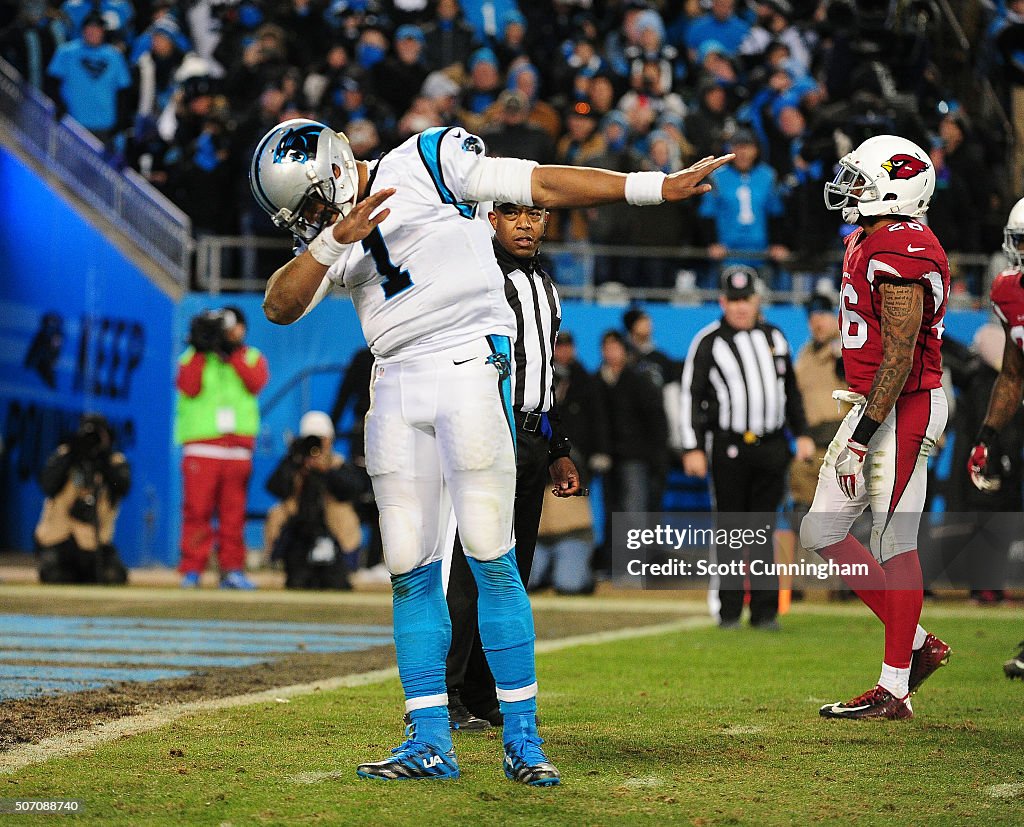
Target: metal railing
[[232, 264], [158, 228]]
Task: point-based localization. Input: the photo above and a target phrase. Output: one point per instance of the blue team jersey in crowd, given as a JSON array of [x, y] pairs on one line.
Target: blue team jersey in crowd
[[91, 78], [741, 204]]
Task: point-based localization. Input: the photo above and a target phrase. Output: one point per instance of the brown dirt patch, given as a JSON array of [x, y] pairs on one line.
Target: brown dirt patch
[[33, 719]]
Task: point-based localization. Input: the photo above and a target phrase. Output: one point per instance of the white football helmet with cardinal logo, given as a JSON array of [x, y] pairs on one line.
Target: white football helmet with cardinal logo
[[885, 175]]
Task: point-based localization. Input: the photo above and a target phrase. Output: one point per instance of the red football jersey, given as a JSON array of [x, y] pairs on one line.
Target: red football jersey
[[905, 251], [1007, 296]]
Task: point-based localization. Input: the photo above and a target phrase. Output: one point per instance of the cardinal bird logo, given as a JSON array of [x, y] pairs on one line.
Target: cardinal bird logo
[[901, 167]]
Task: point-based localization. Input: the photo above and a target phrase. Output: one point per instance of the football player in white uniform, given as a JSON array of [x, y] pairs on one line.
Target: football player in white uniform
[[439, 434]]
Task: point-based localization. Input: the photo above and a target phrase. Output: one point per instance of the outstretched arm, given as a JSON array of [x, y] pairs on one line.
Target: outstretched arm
[[560, 186], [1008, 388]]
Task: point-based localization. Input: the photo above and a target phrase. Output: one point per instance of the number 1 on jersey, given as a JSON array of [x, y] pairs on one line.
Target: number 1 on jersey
[[395, 279]]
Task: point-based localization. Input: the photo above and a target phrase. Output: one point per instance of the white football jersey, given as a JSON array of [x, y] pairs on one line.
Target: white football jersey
[[426, 278]]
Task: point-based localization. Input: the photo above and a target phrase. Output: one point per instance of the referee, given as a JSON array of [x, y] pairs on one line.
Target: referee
[[739, 388], [542, 452]]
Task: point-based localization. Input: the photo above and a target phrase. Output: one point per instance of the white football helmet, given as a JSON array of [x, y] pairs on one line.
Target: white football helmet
[[1013, 235], [302, 174], [885, 175]]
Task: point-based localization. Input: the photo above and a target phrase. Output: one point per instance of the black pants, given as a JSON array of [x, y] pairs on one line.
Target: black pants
[[295, 545], [468, 674], [748, 478], [67, 563]]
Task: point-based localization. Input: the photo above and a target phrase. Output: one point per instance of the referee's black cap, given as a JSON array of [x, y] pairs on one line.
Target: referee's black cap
[[739, 281]]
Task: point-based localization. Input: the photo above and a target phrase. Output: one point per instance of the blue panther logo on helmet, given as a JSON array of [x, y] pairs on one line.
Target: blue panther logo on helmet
[[298, 145]]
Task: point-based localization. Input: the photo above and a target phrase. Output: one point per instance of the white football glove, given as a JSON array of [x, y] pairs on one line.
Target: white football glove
[[849, 466]]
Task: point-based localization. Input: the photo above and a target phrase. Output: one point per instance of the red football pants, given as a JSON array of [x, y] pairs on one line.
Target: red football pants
[[211, 485]]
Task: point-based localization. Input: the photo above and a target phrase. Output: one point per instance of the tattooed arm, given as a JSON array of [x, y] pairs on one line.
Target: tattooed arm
[[1009, 386], [902, 310]]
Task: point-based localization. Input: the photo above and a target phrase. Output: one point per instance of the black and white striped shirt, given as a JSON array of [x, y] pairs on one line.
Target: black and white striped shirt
[[532, 296], [739, 381]]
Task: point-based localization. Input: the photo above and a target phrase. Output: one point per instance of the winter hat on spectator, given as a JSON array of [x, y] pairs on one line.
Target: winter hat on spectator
[[439, 85], [316, 423], [667, 118], [650, 19], [165, 26], [675, 156], [820, 303], [711, 47], [482, 55], [410, 32], [512, 17], [519, 71], [616, 117], [742, 136]]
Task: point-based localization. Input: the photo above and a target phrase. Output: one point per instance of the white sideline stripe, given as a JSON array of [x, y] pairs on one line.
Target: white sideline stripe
[[574, 605], [73, 743]]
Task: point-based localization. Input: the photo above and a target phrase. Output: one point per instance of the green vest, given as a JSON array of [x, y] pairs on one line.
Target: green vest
[[222, 388]]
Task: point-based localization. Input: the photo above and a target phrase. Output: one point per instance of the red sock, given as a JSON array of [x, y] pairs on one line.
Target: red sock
[[870, 587], [904, 597]]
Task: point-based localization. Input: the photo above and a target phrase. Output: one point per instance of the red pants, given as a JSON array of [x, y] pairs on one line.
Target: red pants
[[210, 485]]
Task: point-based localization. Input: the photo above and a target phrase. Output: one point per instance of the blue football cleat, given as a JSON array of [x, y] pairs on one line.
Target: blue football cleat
[[526, 763], [190, 580], [236, 580], [411, 760]]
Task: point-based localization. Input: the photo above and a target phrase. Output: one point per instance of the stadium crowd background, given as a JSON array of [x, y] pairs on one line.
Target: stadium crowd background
[[624, 85]]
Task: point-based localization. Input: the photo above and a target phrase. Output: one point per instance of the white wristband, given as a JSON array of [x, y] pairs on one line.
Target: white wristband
[[643, 189], [325, 248]]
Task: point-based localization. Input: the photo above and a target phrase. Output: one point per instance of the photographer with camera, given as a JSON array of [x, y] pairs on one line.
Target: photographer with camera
[[84, 481], [216, 422], [315, 523]]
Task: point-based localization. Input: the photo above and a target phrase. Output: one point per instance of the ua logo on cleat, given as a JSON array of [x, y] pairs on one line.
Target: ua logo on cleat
[[432, 761]]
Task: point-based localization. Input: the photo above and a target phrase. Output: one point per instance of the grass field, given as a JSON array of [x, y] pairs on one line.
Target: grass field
[[698, 726]]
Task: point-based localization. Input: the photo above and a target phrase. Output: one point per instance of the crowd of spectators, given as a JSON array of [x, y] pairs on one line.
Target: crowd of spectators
[[182, 89]]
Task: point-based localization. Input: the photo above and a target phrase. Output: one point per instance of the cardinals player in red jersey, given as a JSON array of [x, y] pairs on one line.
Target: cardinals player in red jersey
[[892, 304], [1007, 296]]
